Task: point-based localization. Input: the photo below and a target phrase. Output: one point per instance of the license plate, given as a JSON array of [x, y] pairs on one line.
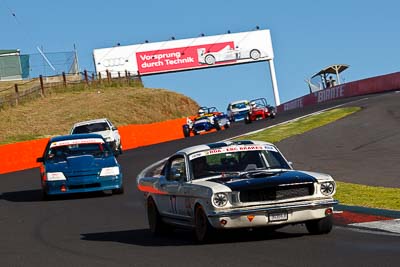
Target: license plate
[[277, 216]]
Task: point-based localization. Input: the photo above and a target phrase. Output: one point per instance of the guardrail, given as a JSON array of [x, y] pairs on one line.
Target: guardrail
[[383, 83], [22, 155]]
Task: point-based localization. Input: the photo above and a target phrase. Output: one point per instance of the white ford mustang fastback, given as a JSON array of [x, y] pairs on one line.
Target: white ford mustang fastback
[[238, 184]]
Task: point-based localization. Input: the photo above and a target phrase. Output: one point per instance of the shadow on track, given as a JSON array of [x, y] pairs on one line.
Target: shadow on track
[[143, 237], [37, 196]]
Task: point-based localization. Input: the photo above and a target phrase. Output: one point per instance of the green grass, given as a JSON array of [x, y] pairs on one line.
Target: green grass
[[368, 196], [347, 193]]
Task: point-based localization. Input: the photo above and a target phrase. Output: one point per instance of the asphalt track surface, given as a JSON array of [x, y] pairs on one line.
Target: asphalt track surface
[[103, 230]]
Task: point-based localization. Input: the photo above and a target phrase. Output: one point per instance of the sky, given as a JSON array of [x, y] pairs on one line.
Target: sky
[[307, 36]]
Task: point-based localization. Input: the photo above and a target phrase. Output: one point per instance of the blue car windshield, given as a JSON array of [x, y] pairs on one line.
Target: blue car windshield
[[61, 153], [239, 106]]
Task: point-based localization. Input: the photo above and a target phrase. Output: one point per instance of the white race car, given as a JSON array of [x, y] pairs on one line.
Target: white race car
[[239, 184], [105, 128]]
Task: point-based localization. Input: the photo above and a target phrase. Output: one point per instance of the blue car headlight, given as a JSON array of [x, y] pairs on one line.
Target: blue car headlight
[[55, 176], [110, 171]]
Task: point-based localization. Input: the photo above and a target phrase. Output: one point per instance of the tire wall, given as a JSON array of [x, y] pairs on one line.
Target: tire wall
[[23, 155], [372, 85]]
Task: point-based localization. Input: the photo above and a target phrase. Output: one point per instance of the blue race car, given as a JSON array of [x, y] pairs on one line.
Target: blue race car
[[79, 163], [238, 110], [207, 119]]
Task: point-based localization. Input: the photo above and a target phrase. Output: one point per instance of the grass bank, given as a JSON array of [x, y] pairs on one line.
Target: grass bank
[[347, 193], [60, 109]]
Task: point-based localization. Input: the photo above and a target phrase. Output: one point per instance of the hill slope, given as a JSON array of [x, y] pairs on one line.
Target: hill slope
[[55, 114]]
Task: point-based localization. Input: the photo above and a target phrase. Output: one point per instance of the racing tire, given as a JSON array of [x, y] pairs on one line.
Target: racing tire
[[186, 131], [118, 191], [209, 59], [156, 225], [203, 230], [227, 126], [255, 54], [320, 226], [247, 120], [217, 126]]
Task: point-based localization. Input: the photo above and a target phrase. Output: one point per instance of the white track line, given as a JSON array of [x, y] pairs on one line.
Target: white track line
[[392, 226]]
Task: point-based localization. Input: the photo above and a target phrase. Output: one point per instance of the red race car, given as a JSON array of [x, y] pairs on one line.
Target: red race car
[[259, 110]]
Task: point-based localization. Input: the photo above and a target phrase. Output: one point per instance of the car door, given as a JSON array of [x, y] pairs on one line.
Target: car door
[[176, 178]]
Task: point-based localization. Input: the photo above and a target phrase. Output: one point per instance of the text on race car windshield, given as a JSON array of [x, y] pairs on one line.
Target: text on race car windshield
[[206, 164]]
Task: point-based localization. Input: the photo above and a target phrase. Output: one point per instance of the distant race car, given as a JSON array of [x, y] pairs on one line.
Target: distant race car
[[237, 110], [102, 126], [234, 184], [207, 119], [79, 163], [259, 110]]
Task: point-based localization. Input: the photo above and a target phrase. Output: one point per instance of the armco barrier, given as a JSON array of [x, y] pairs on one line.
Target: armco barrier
[[22, 155], [372, 85]]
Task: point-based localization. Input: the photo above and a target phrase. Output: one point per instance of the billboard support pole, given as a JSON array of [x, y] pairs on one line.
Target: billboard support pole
[[274, 83]]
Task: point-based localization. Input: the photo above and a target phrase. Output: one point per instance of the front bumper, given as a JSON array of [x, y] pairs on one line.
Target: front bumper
[[76, 185], [258, 217]]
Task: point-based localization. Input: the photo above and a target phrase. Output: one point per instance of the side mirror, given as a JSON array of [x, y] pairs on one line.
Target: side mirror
[[39, 159]]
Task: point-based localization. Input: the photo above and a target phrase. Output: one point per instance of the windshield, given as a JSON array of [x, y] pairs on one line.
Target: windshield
[[241, 161], [240, 105], [62, 152], [91, 128]]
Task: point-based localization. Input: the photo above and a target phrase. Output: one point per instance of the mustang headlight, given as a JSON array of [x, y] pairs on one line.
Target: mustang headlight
[[110, 171], [220, 199], [55, 176], [327, 188]]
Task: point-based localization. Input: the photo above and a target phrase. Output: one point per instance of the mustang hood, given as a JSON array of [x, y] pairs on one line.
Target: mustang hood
[[269, 180]]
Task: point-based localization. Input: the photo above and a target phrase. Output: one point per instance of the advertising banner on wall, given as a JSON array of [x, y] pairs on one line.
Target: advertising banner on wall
[[378, 84], [185, 54]]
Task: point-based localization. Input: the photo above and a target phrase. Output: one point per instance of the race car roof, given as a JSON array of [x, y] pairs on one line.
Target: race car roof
[[90, 122], [238, 101], [74, 137], [222, 144]]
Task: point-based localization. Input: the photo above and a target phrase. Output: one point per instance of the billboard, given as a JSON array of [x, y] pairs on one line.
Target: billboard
[[185, 54]]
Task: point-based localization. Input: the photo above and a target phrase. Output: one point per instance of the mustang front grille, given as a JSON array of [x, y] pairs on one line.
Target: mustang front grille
[[276, 193]]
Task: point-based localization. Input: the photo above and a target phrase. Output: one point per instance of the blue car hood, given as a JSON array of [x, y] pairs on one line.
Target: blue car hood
[[82, 163]]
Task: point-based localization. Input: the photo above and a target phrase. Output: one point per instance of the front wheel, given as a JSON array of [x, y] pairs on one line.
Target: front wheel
[[209, 59], [216, 125], [118, 191], [320, 226], [203, 229], [186, 131], [247, 120]]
